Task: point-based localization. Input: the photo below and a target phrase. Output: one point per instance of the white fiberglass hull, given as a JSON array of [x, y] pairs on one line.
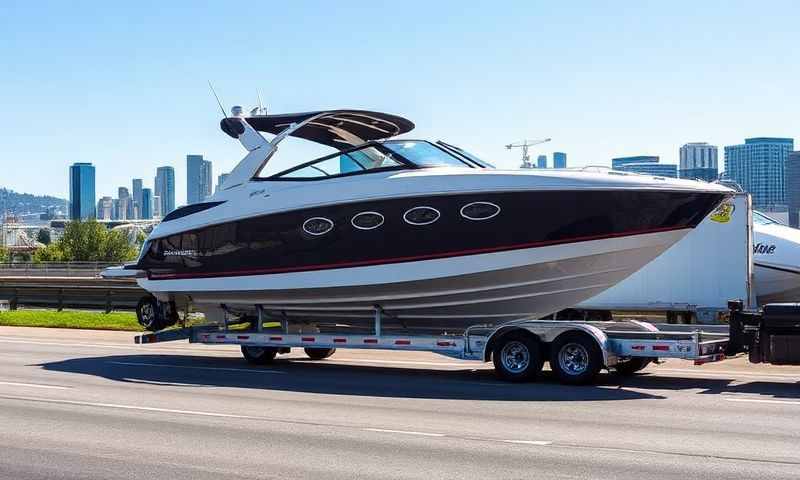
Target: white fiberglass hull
[[441, 293]]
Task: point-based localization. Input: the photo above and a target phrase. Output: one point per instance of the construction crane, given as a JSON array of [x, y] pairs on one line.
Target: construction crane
[[526, 159]]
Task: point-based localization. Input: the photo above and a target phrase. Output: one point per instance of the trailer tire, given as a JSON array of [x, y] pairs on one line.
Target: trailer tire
[[149, 314], [575, 358], [259, 355], [632, 365], [517, 357], [319, 353]]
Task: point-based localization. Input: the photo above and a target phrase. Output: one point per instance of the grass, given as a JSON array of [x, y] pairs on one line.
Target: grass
[[71, 319]]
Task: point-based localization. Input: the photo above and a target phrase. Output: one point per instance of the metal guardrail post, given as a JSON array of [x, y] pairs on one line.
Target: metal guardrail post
[[108, 301]]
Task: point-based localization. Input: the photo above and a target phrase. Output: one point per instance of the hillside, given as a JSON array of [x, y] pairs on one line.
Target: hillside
[[24, 203]]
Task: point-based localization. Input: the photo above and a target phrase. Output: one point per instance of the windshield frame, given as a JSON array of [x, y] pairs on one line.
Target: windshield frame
[[405, 163], [765, 219]]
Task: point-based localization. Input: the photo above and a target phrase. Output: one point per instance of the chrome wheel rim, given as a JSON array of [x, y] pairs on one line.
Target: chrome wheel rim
[[573, 358], [147, 315], [515, 356]]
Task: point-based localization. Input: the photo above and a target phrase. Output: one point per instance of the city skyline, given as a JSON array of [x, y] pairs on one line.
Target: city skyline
[[663, 80]]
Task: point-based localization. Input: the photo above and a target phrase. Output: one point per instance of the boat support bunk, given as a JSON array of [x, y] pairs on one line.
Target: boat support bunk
[[576, 351]]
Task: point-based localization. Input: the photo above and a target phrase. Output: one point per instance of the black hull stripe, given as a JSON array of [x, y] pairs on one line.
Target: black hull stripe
[[770, 267], [388, 261]]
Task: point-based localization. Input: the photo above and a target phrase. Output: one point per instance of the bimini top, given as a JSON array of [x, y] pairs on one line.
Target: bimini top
[[336, 128]]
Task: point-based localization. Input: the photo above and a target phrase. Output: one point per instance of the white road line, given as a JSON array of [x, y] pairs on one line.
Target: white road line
[[35, 385], [466, 363], [150, 348], [760, 400], [528, 442], [198, 367], [132, 407], [727, 373], [405, 432]]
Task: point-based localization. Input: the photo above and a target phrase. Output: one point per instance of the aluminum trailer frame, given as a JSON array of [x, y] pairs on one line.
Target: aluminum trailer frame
[[577, 351]]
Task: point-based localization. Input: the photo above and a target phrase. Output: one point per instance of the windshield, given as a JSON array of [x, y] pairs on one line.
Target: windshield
[[362, 160], [761, 219], [424, 154]]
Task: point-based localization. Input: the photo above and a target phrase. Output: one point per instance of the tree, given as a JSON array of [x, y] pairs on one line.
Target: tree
[[43, 236], [3, 254], [88, 241], [50, 253]]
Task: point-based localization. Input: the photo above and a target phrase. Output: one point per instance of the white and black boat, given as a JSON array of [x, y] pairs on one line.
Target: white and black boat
[[427, 233], [776, 260]]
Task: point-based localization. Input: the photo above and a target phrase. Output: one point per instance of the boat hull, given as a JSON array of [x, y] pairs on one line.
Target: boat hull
[[439, 294]]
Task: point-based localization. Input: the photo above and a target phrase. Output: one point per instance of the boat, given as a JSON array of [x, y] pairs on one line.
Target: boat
[[423, 232], [776, 260]]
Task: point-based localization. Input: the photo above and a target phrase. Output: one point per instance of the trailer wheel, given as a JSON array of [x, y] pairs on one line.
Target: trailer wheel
[[149, 315], [517, 357], [258, 355], [632, 365], [575, 358], [319, 353]]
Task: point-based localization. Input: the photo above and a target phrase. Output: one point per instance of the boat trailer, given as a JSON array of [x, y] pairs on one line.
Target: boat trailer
[[576, 350]]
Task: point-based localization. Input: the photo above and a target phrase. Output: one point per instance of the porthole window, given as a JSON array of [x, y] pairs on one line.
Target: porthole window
[[367, 220], [421, 215], [479, 211], [317, 226]]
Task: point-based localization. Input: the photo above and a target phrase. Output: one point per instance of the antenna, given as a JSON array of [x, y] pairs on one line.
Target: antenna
[[224, 115], [261, 108]]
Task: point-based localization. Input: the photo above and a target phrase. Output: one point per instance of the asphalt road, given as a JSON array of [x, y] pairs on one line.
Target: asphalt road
[[90, 405]]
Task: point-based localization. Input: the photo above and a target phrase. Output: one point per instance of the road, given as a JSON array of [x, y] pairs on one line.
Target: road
[[90, 405]]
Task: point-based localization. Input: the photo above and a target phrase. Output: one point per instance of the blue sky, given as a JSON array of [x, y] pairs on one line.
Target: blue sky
[[123, 84]]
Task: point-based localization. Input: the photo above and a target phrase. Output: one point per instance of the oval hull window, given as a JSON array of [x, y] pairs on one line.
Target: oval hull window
[[367, 220], [479, 211], [317, 226], [421, 215]]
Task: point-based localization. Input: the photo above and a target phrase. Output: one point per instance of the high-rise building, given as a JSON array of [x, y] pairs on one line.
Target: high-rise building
[[559, 160], [759, 167], [146, 206], [620, 161], [156, 206], [137, 198], [81, 191], [105, 208], [220, 181], [198, 179], [698, 161], [793, 188], [541, 161], [645, 164], [125, 204], [165, 190], [650, 168]]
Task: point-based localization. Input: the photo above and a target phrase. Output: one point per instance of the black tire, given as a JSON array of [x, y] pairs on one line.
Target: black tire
[[258, 355], [575, 358], [170, 314], [149, 314], [517, 357], [632, 365], [319, 353]]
